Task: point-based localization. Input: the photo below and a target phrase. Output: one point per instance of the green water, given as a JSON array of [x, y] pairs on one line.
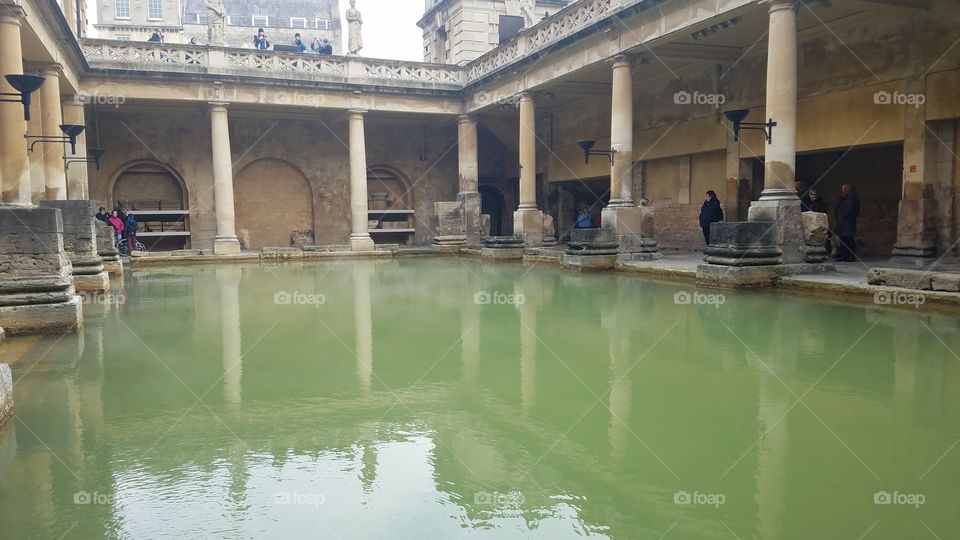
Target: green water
[[388, 400]]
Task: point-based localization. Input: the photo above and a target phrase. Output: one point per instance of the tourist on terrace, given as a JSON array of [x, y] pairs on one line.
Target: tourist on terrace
[[845, 223], [103, 216], [815, 203], [585, 219], [260, 40], [297, 42], [131, 230], [117, 226], [710, 212], [157, 35], [321, 46]]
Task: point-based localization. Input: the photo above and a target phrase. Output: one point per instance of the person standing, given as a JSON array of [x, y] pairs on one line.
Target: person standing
[[260, 40], [131, 230], [815, 203], [103, 216], [845, 223], [298, 43], [710, 212], [157, 36], [585, 220], [117, 226]]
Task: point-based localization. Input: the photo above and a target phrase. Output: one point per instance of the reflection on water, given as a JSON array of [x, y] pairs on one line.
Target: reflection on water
[[446, 398]]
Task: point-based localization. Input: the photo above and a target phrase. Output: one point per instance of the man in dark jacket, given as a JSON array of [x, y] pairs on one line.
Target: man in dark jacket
[[710, 212], [845, 223], [815, 203], [103, 216], [131, 232]]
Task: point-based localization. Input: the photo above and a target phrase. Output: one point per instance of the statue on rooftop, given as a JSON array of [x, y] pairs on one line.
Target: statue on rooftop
[[354, 22], [527, 8], [216, 22]]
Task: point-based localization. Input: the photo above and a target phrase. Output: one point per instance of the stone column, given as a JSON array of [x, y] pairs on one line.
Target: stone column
[[14, 165], [528, 220], [77, 176], [779, 202], [468, 196], [359, 216], [916, 229], [621, 134], [55, 176], [634, 234], [226, 242], [38, 184]]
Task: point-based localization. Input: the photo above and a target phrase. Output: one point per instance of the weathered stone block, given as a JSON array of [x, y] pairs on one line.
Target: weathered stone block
[[945, 282], [502, 247], [549, 231], [634, 229], [742, 243], [815, 228], [80, 243], [107, 249], [449, 225], [528, 224], [473, 225], [280, 253], [788, 230]]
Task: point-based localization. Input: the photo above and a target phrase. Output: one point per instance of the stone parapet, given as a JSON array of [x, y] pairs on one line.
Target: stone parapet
[[107, 249], [37, 294]]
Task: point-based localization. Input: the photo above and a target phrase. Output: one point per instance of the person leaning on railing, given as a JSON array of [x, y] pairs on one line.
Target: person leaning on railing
[[321, 46]]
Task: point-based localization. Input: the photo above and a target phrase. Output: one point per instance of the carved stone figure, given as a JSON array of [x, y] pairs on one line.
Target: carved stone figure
[[354, 22], [527, 8], [216, 22]]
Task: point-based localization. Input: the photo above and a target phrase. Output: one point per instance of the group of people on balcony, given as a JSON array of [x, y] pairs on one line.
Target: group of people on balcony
[[319, 45]]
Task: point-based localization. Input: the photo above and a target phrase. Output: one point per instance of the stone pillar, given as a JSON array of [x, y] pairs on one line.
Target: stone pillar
[[627, 221], [779, 202], [38, 184], [80, 244], [226, 242], [468, 195], [916, 229], [36, 283], [77, 175], [528, 220], [14, 165], [107, 249], [621, 134], [55, 176], [359, 215]]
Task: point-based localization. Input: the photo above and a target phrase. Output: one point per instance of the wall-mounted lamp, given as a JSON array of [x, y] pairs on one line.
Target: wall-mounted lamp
[[70, 132], [95, 155], [736, 118], [24, 86], [587, 152]]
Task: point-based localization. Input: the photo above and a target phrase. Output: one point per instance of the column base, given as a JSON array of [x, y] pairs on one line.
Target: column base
[[633, 228], [226, 246], [787, 224], [472, 220], [96, 283], [528, 225], [53, 318], [361, 242]]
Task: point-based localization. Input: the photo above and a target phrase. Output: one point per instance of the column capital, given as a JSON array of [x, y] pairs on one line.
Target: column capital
[[467, 119], [11, 14], [357, 112], [779, 5], [526, 96], [217, 106], [621, 61], [52, 69]]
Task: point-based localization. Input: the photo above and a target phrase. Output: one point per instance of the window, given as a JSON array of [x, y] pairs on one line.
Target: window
[[321, 24], [121, 9], [260, 20], [155, 10], [298, 22]]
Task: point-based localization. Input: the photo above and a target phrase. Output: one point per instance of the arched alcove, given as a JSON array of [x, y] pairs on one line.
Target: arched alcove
[[273, 200], [155, 193], [390, 202]]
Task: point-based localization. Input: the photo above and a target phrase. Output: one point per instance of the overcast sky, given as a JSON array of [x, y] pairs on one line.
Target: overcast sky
[[389, 28]]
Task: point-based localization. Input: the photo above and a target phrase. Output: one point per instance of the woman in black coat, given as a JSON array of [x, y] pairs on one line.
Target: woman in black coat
[[845, 223], [710, 212]]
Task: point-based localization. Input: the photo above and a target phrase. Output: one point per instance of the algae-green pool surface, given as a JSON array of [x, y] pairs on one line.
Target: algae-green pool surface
[[446, 398]]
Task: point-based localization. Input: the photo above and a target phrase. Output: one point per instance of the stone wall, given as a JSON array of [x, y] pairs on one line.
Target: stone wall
[[289, 173]]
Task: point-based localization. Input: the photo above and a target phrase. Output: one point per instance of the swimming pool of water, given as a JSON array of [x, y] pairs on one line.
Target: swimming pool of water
[[445, 398]]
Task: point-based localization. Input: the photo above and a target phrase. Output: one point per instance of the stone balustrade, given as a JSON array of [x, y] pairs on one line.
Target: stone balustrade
[[200, 59]]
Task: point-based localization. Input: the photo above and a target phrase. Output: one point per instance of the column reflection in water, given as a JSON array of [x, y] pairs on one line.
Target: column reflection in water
[[621, 387], [526, 304], [229, 280], [363, 323], [470, 341]]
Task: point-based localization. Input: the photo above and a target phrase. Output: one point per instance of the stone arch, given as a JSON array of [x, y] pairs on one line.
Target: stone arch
[[273, 199], [146, 181], [391, 182]]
